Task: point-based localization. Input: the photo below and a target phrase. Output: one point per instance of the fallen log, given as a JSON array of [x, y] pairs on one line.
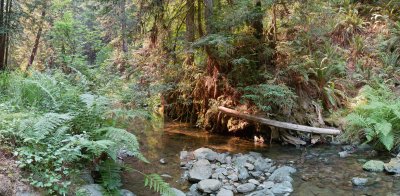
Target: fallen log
[[275, 123]]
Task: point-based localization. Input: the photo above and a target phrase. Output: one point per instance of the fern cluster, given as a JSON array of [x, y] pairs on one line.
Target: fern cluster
[[376, 117], [58, 126]]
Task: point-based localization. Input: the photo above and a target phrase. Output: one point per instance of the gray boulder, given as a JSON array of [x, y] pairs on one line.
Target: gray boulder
[[262, 165], [178, 192], [393, 166], [224, 192], [263, 192], [124, 192], [267, 184], [91, 190], [282, 174], [246, 188], [201, 170], [374, 166], [282, 188], [205, 153], [243, 173], [359, 181], [209, 185]]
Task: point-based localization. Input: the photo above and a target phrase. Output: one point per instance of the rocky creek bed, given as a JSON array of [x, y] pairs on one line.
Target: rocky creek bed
[[225, 174]]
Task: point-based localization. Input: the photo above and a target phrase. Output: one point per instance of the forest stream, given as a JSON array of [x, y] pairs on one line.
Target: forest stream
[[320, 170]]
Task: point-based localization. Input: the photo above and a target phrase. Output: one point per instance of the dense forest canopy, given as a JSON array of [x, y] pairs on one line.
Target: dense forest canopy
[[73, 73]]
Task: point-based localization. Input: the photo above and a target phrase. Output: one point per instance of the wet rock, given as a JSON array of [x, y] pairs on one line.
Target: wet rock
[[163, 161], [205, 153], [349, 148], [234, 177], [220, 170], [374, 166], [178, 192], [243, 173], [222, 158], [166, 176], [209, 185], [364, 147], [124, 192], [282, 188], [246, 188], [87, 177], [91, 190], [359, 181], [201, 170], [256, 174], [393, 166], [262, 165], [282, 174], [267, 184], [249, 166], [343, 154], [225, 192], [263, 192], [254, 181], [193, 190]]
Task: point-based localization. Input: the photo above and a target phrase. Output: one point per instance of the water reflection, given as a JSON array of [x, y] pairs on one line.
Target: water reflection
[[320, 170]]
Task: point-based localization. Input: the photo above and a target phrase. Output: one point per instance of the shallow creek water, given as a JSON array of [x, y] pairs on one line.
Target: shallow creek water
[[320, 170]]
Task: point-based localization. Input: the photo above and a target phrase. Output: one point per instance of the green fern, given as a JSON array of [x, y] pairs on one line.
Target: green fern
[[110, 172], [156, 183], [122, 140], [378, 119]]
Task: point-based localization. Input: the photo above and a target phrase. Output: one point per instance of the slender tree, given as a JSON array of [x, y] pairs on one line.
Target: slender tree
[[38, 36], [190, 30]]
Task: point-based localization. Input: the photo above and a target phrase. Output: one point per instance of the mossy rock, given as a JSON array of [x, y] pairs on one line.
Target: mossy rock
[[373, 166]]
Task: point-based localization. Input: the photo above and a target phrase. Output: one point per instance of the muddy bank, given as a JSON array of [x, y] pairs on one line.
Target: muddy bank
[[11, 181]]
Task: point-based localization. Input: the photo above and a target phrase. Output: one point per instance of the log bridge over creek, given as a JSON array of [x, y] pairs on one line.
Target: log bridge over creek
[[279, 124]]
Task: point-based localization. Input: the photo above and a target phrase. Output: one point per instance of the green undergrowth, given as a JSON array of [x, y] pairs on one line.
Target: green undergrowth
[[58, 125]]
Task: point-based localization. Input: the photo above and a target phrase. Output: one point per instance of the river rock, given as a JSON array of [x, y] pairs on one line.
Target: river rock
[[221, 170], [163, 161], [91, 190], [243, 173], [205, 153], [222, 158], [267, 184], [234, 177], [393, 166], [343, 154], [256, 174], [254, 181], [201, 170], [193, 191], [263, 192], [262, 165], [246, 188], [225, 192], [124, 192], [177, 192], [282, 188], [282, 174], [249, 166], [374, 166], [209, 185], [359, 181]]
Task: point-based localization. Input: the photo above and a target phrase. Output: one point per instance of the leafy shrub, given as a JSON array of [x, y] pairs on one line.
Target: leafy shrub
[[375, 117], [264, 96]]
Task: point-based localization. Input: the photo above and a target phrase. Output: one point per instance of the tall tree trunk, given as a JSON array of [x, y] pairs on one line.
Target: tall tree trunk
[[190, 31], [199, 20], [208, 15], [123, 26], [2, 36], [257, 21], [7, 41], [37, 40]]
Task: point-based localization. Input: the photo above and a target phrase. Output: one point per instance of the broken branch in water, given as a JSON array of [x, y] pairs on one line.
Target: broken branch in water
[[275, 123]]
